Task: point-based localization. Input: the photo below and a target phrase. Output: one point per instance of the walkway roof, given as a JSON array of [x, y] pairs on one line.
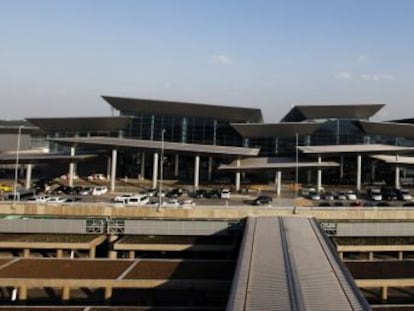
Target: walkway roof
[[152, 145], [277, 163], [273, 130], [387, 128], [150, 106], [83, 124], [287, 263], [394, 159], [29, 158], [314, 112], [354, 149]]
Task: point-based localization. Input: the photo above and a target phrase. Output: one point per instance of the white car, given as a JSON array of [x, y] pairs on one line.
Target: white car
[[374, 194], [171, 203], [123, 197], [188, 204], [39, 199], [56, 200], [99, 190], [225, 194], [137, 200], [352, 196], [96, 177]]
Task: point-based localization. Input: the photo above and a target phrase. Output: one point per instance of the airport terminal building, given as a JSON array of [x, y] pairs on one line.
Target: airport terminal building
[[207, 143]]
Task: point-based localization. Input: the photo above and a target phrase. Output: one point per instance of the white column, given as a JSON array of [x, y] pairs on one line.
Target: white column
[[238, 176], [176, 165], [397, 177], [142, 165], [319, 177], [155, 171], [359, 167], [71, 167], [210, 168], [108, 168], [28, 176], [113, 169], [278, 182], [196, 171]]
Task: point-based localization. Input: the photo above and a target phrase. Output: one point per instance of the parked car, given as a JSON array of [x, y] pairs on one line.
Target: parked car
[[388, 194], [262, 199], [39, 198], [5, 188], [351, 195], [341, 196], [175, 193], [374, 194], [137, 200], [404, 195], [188, 203], [122, 197], [96, 177], [171, 203], [56, 199], [225, 194], [99, 190], [63, 190], [198, 194], [329, 196], [85, 190], [315, 196], [213, 194]]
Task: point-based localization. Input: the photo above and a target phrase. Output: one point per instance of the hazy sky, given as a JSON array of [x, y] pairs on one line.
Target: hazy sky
[[58, 57]]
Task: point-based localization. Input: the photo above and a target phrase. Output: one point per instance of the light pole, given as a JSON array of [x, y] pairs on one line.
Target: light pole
[[16, 168], [296, 172], [161, 166]]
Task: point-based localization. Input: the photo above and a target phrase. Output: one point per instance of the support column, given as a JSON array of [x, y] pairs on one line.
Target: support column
[[319, 177], [196, 172], [66, 293], [384, 293], [155, 171], [26, 253], [143, 165], [400, 255], [176, 165], [108, 168], [59, 253], [397, 177], [278, 182], [210, 168], [371, 256], [113, 169], [131, 254], [22, 293], [341, 169], [108, 293], [92, 252], [238, 176], [359, 168], [341, 255], [112, 254], [28, 176], [71, 167]]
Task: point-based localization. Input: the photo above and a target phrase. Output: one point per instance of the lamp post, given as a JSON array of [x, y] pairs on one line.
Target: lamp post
[[16, 168], [296, 172], [161, 166]]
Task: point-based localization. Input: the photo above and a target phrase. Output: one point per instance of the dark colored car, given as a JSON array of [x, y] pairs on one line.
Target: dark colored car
[[213, 194], [175, 193], [64, 190], [262, 199], [389, 194], [198, 194]]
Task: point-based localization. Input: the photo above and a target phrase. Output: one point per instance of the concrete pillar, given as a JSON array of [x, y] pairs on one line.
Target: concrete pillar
[[71, 167], [108, 293], [66, 293], [59, 253], [113, 169], [397, 177], [359, 169], [108, 168], [341, 255], [384, 293], [28, 176], [196, 171], [22, 293], [371, 256], [319, 178], [278, 182], [131, 254], [142, 165], [26, 253], [155, 171], [92, 252], [112, 254], [238, 176], [176, 165], [341, 168], [400, 255], [210, 168]]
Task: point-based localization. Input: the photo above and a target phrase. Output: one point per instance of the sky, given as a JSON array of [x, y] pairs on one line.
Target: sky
[[58, 57]]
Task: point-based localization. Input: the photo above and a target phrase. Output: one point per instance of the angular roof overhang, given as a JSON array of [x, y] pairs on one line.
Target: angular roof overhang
[[396, 160], [275, 163], [82, 124], [354, 149], [315, 112], [155, 146], [44, 158], [387, 128], [150, 106], [273, 130]]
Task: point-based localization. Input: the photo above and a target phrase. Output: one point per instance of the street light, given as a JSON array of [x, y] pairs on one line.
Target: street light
[[296, 172], [161, 166], [16, 168]]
